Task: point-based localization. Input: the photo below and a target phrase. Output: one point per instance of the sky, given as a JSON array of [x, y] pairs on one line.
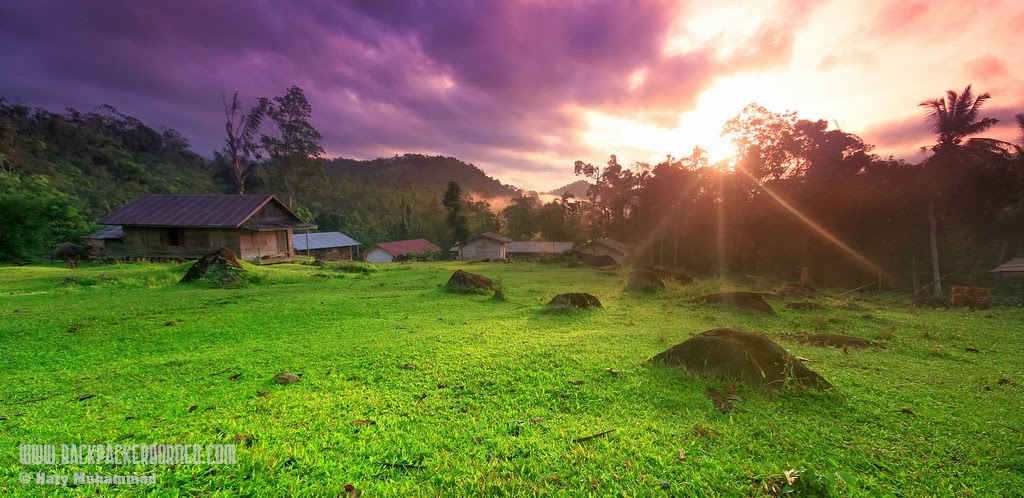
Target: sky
[[520, 88]]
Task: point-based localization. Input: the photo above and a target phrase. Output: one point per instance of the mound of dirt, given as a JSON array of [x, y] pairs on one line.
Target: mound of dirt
[[464, 281], [796, 289], [666, 273], [731, 354], [834, 341], [804, 305], [215, 262], [596, 261], [747, 300], [580, 300], [644, 280], [499, 296]]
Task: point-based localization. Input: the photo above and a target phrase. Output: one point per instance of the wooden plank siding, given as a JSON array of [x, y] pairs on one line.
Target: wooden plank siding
[[189, 243]]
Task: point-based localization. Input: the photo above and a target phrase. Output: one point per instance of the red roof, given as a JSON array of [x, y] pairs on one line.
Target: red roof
[[414, 246], [201, 211]]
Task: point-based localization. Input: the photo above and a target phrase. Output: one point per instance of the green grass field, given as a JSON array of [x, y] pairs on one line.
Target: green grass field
[[471, 397]]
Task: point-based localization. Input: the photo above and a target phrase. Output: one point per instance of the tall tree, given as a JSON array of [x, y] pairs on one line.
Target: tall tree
[[241, 148], [453, 203], [955, 120], [297, 144]]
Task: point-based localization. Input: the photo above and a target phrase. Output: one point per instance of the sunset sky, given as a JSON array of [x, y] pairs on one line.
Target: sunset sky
[[521, 89]]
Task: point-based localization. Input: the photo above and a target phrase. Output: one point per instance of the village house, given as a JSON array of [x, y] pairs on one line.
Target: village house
[[487, 245], [387, 252], [606, 247], [535, 250], [327, 246], [255, 227]]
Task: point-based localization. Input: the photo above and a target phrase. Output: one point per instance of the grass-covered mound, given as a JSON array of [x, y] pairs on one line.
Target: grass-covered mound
[[409, 391]]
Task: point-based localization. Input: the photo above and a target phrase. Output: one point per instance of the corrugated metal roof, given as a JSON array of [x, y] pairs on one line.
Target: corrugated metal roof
[[538, 247], [108, 232], [201, 211], [1012, 266], [612, 244], [400, 247], [492, 236], [323, 240]]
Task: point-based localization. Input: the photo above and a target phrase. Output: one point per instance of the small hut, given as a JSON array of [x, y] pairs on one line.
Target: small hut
[[1013, 268]]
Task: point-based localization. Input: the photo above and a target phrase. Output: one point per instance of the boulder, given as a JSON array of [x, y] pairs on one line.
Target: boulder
[[644, 280], [215, 262], [285, 378], [580, 300], [751, 358]]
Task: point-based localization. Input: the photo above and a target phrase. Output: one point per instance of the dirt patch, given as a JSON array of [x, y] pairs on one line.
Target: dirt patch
[[804, 305], [834, 341], [213, 264], [464, 281], [746, 300], [644, 280], [666, 273], [580, 300], [730, 354]]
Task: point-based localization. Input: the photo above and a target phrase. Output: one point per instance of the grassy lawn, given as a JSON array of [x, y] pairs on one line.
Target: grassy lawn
[[471, 397]]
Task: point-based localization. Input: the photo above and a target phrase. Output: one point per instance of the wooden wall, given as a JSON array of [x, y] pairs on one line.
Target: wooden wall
[[190, 243]]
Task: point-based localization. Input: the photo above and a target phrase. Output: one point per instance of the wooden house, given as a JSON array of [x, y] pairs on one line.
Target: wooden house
[[255, 227], [606, 247], [387, 252], [327, 246], [535, 250], [487, 245]]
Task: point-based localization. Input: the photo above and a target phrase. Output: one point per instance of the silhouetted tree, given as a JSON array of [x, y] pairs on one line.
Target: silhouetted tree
[[297, 143], [954, 120], [453, 203]]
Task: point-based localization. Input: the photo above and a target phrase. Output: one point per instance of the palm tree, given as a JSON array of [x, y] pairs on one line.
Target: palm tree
[[241, 149], [954, 120]]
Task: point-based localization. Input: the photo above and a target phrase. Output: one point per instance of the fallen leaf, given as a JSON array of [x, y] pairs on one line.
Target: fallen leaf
[[907, 411], [171, 324], [409, 366], [235, 377], [972, 350], [682, 455], [733, 397], [361, 422], [192, 408], [612, 371], [575, 382], [74, 329], [85, 397], [1003, 381], [791, 476]]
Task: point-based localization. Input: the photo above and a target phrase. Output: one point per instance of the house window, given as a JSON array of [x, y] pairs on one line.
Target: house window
[[172, 237]]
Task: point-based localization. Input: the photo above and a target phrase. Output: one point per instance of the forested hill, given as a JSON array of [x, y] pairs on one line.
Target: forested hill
[[427, 173], [578, 189], [100, 159]]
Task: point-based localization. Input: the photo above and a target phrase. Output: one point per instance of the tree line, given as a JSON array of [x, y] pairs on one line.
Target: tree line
[[797, 193]]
